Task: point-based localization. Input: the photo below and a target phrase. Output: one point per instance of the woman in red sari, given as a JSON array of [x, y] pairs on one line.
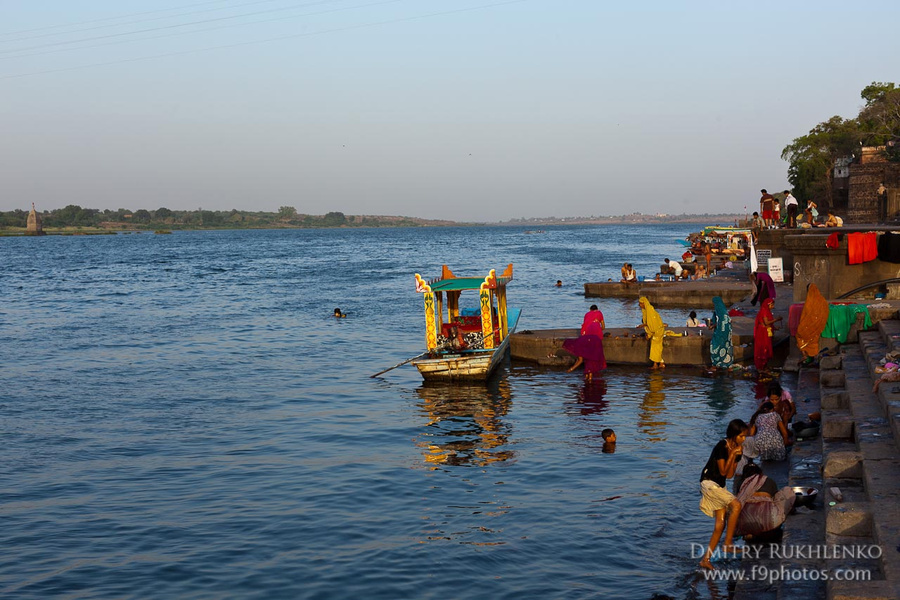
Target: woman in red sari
[[763, 331]]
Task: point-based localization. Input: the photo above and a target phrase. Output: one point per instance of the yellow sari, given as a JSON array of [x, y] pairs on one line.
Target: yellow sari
[[812, 321], [655, 328]]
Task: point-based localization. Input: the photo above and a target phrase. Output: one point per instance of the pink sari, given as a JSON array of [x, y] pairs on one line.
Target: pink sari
[[762, 513]]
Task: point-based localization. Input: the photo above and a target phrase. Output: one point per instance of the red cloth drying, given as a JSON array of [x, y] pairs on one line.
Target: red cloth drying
[[862, 247], [832, 241]]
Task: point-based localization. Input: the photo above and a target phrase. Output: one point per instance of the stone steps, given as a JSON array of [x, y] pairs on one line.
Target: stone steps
[[860, 456]]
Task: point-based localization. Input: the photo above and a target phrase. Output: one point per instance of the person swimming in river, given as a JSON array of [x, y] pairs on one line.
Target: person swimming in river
[[609, 441], [338, 314]]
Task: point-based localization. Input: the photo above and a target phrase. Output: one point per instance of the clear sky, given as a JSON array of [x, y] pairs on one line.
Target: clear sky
[[471, 110]]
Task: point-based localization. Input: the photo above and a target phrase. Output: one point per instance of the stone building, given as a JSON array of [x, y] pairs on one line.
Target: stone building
[[34, 225], [865, 204]]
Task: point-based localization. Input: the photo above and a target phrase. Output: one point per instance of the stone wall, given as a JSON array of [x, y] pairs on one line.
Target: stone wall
[[829, 269], [864, 180]]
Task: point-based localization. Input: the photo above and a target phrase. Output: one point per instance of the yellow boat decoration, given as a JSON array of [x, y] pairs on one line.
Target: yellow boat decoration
[[484, 330]]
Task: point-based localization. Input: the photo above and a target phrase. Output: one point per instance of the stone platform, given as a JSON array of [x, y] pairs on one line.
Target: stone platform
[[628, 346], [674, 294]]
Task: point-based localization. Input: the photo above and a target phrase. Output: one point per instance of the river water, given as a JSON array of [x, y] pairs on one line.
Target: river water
[[183, 418]]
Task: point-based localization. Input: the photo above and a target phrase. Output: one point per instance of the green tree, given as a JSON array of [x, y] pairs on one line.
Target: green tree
[[334, 219], [162, 213], [141, 216], [287, 212], [879, 120], [811, 157]]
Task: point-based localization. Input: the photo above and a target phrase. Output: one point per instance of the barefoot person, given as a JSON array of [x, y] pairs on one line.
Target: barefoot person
[[716, 501], [655, 329], [721, 347], [588, 347], [763, 332]]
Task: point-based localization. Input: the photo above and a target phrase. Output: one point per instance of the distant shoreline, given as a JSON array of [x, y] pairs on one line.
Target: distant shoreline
[[370, 222]]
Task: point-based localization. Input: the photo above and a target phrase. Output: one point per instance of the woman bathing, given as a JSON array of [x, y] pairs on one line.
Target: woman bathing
[[721, 348], [770, 433], [655, 329], [763, 331], [716, 501]]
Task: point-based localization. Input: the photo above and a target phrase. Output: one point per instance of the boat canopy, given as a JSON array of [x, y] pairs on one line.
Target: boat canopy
[[725, 230], [490, 319]]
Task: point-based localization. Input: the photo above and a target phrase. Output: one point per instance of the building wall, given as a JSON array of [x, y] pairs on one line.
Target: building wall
[[829, 269], [864, 181]]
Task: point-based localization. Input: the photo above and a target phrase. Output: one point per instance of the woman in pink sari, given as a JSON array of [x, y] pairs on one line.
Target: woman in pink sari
[[588, 348], [763, 506]]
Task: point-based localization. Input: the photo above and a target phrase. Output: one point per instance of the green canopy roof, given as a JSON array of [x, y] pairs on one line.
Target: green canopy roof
[[460, 283]]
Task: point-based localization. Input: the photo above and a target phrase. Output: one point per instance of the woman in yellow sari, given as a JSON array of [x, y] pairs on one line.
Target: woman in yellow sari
[[656, 330], [812, 322]]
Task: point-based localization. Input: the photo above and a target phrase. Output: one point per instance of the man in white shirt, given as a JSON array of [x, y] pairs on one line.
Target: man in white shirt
[[791, 205], [676, 267]]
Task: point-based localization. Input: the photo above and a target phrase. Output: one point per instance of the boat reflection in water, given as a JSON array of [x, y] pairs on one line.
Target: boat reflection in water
[[465, 423]]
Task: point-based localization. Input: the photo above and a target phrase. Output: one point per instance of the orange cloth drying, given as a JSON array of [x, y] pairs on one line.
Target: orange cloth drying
[[862, 247]]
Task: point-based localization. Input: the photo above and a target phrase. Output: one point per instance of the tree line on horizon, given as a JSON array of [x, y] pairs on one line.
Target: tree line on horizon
[[812, 157], [164, 218], [286, 217]]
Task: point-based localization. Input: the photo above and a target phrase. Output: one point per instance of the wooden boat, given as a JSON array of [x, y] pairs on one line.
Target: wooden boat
[[486, 327]]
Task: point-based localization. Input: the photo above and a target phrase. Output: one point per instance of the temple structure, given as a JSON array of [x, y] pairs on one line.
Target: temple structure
[[34, 225]]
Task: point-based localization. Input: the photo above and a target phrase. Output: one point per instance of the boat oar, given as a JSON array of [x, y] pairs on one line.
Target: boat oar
[[400, 364], [438, 349]]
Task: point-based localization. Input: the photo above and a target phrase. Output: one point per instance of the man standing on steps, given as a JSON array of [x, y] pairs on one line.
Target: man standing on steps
[[791, 204]]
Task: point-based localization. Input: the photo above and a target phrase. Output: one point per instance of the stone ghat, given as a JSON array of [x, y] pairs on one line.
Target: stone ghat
[[626, 347], [675, 294]]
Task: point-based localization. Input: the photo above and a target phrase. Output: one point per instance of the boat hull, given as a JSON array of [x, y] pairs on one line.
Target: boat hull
[[475, 366]]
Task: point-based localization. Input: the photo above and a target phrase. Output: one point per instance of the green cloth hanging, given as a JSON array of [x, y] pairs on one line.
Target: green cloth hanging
[[841, 317]]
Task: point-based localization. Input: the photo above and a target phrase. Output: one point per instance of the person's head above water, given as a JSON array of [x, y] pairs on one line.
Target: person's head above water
[[338, 313]]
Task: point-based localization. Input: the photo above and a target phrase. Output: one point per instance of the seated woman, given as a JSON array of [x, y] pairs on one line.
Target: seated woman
[[455, 339], [692, 320], [770, 433], [764, 506], [699, 273]]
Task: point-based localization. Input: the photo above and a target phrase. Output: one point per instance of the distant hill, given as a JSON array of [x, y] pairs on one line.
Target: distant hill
[[634, 218]]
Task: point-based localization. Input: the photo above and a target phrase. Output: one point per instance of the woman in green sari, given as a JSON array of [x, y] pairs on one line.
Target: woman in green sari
[[721, 349]]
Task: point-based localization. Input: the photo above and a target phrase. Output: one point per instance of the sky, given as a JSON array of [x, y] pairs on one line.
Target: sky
[[469, 110]]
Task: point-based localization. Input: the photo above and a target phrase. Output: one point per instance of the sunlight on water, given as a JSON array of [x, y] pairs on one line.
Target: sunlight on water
[[185, 418]]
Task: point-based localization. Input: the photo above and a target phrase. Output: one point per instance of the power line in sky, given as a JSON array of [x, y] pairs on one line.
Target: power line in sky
[[273, 39], [205, 29], [171, 26], [124, 16]]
